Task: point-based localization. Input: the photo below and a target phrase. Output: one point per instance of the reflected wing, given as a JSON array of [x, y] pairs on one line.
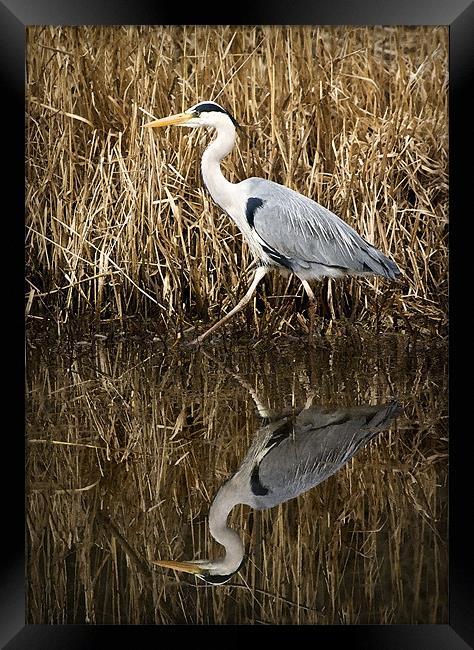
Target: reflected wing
[[306, 451]]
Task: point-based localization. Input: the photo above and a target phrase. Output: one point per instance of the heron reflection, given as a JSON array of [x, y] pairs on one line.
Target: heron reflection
[[289, 456]]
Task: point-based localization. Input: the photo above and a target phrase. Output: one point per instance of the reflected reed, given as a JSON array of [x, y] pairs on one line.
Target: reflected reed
[[127, 448]]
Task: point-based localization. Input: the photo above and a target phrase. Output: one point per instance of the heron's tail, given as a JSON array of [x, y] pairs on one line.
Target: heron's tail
[[384, 415], [378, 263]]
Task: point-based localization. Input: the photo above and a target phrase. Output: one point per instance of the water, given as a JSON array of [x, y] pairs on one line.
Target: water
[[129, 443]]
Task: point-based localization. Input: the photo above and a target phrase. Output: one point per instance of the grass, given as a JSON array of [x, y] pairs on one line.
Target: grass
[[127, 447], [119, 225]]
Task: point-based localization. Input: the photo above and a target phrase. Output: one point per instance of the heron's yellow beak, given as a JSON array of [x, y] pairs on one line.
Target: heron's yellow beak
[[187, 567], [179, 118]]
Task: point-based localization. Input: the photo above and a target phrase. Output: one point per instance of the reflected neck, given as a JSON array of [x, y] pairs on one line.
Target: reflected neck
[[234, 549]]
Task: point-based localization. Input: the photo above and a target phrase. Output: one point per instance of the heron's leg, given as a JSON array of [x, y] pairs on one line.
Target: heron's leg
[[259, 274], [312, 305]]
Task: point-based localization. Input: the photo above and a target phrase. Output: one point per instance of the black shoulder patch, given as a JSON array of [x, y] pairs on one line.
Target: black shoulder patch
[[255, 485], [252, 206], [278, 436]]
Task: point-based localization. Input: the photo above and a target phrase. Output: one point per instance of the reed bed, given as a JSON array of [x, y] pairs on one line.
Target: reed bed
[[127, 447], [119, 225]]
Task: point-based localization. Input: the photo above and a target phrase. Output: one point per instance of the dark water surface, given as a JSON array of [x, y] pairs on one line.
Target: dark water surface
[[129, 443]]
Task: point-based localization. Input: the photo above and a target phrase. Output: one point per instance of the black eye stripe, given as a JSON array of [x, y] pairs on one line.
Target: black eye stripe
[[206, 107], [217, 579]]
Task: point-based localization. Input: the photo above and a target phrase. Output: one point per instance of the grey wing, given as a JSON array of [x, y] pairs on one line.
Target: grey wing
[[307, 458], [307, 234], [316, 447]]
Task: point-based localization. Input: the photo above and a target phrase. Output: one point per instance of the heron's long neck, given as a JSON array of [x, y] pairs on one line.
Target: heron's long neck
[[221, 146], [218, 513]]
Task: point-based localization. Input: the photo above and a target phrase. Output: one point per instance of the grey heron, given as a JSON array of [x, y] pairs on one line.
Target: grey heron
[[288, 456], [284, 229]]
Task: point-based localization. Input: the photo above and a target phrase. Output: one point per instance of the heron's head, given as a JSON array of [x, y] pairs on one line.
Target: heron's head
[[206, 570], [207, 114]]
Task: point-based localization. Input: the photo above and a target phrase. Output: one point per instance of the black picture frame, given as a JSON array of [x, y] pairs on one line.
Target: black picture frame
[[15, 17]]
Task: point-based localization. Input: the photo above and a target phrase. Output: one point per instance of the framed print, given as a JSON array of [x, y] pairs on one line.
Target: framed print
[[237, 336]]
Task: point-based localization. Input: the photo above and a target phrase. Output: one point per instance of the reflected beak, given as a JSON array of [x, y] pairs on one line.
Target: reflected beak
[[179, 118], [188, 567]]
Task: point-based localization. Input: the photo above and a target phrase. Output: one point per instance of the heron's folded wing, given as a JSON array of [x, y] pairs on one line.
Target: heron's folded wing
[[300, 229]]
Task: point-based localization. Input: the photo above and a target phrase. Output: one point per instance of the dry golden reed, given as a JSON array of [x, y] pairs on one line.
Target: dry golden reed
[[118, 221]]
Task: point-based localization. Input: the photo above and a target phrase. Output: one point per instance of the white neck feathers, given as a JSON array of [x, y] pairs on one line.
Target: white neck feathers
[[218, 186]]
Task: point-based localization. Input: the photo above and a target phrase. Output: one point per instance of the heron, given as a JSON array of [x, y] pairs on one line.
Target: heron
[[288, 456], [284, 229]]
